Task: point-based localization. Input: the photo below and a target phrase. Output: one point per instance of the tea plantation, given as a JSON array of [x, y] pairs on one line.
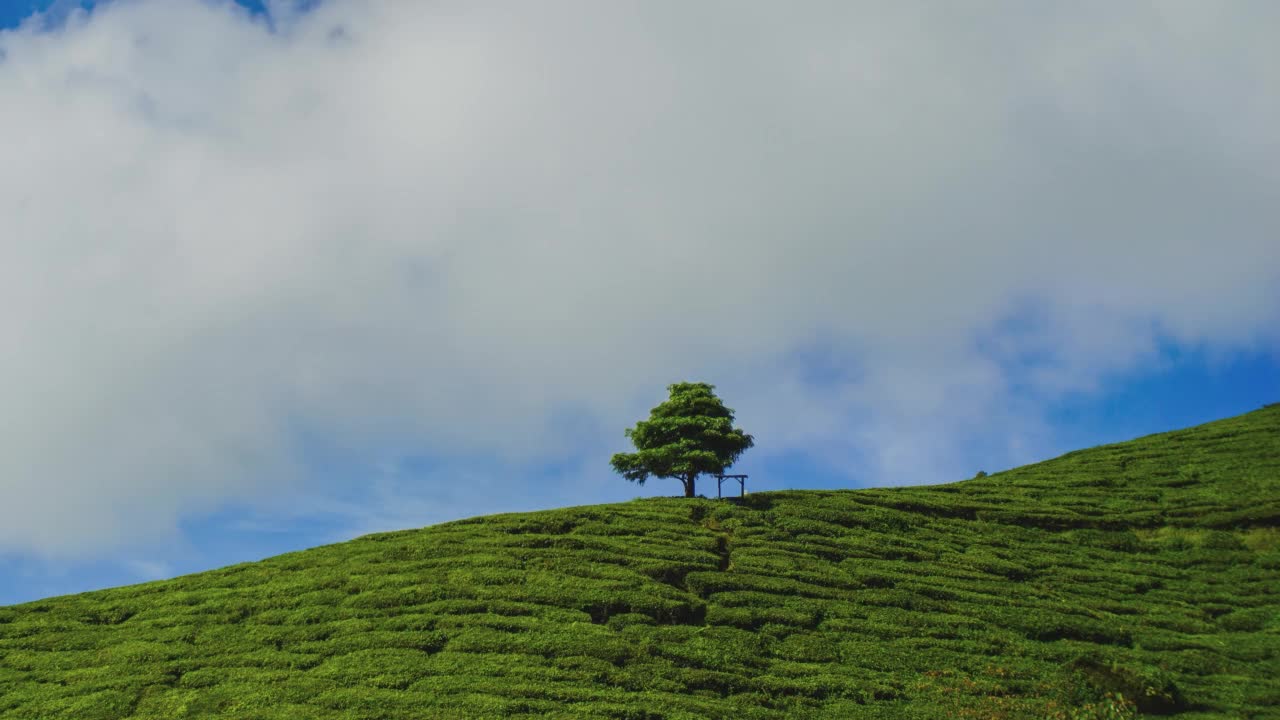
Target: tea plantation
[[1129, 580]]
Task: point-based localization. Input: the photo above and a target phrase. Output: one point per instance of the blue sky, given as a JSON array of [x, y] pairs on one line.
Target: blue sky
[[52, 12], [276, 280]]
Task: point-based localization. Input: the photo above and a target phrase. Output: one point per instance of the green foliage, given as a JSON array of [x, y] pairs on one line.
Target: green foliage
[[1111, 706], [1093, 679], [690, 434], [1039, 592], [1247, 620]]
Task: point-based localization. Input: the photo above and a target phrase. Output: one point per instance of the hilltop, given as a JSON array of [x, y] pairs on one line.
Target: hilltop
[[1149, 568]]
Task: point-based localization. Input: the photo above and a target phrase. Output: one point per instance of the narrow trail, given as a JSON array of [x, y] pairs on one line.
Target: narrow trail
[[722, 549], [723, 536]]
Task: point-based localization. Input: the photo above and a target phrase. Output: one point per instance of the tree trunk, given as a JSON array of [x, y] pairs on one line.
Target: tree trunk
[[688, 485]]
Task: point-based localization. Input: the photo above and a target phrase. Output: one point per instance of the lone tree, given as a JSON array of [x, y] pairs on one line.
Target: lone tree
[[689, 434]]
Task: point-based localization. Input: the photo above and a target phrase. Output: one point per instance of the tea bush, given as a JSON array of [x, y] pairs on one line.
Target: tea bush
[[1131, 578]]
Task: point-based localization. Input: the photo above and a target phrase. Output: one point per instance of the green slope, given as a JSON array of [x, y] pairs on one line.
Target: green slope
[[1149, 567]]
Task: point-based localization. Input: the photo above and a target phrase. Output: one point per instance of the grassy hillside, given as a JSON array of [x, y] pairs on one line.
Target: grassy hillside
[[1149, 568]]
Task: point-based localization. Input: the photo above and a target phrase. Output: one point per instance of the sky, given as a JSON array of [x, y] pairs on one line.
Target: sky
[[278, 275]]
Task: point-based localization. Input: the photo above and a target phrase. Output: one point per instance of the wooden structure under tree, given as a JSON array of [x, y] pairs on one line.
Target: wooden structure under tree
[[742, 484]]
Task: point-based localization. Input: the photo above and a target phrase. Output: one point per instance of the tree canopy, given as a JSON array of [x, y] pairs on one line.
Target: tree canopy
[[690, 434]]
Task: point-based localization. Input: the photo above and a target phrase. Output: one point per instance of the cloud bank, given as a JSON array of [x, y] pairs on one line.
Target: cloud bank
[[500, 230]]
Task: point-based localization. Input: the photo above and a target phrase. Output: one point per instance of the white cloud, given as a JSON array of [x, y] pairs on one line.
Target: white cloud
[[149, 570], [406, 227]]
